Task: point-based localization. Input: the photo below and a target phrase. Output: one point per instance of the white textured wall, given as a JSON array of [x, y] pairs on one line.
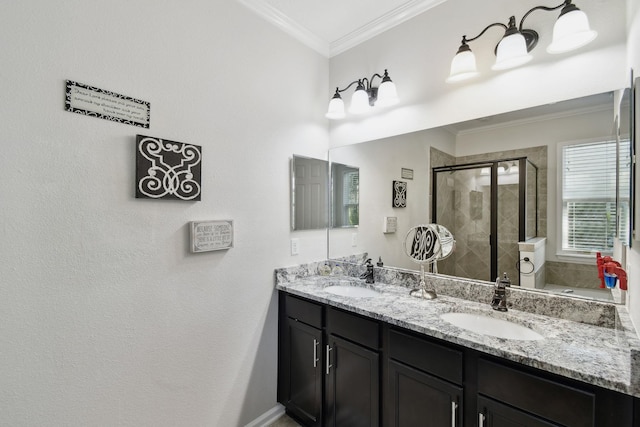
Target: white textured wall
[[105, 318]]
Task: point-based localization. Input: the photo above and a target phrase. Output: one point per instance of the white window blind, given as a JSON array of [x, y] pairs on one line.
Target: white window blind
[[350, 191], [589, 197]]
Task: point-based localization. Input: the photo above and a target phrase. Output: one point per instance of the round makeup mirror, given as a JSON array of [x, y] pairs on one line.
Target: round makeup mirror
[[427, 244]]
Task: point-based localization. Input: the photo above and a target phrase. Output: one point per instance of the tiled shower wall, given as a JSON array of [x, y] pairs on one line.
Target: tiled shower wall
[[461, 194]]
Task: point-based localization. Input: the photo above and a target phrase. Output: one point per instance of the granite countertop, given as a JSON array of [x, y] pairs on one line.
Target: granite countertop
[[594, 354]]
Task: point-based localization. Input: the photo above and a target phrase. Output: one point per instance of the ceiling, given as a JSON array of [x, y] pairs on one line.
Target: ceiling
[[333, 26], [598, 102]]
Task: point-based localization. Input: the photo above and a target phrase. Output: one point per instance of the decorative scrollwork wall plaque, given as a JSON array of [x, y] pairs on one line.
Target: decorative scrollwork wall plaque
[[399, 194], [167, 169]]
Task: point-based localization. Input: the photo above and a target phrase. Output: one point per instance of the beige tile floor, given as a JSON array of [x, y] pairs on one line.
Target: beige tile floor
[[284, 421]]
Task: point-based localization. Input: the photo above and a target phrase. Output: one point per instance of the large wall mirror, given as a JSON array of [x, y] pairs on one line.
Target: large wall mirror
[[537, 134]]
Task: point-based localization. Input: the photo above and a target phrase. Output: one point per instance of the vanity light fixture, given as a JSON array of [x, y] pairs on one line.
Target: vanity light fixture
[[364, 97], [571, 31]]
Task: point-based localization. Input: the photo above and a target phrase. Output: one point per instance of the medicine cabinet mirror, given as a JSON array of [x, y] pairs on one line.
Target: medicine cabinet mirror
[[309, 193]]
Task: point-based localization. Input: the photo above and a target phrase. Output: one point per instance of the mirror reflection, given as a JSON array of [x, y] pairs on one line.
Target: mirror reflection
[[622, 128], [526, 138], [490, 207], [345, 193], [309, 193]]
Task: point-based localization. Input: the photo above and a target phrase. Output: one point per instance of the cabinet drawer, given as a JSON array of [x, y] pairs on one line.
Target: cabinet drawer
[[426, 355], [353, 327], [548, 399], [304, 311]]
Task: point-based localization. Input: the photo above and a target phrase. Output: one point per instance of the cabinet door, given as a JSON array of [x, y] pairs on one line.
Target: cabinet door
[[303, 372], [419, 399], [352, 384], [495, 414]]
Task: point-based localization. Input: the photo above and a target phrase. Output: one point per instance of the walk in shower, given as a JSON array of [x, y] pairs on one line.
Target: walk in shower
[[489, 207]]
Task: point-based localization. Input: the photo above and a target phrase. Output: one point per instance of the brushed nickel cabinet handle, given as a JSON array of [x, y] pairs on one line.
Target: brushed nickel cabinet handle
[[329, 366], [480, 419], [454, 413], [315, 352]]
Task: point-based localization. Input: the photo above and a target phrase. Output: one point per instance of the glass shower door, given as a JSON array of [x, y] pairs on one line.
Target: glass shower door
[[508, 220], [462, 203]]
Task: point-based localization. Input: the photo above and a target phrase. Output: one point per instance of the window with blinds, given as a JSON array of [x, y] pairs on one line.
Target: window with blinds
[[589, 197], [350, 192]]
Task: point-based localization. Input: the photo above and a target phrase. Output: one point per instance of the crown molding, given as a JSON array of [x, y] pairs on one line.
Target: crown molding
[[389, 20], [529, 120], [280, 20], [385, 22]]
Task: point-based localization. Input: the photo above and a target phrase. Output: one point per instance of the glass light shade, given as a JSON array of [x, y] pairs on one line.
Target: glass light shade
[[463, 66], [387, 94], [512, 52], [336, 108], [359, 102], [571, 31]]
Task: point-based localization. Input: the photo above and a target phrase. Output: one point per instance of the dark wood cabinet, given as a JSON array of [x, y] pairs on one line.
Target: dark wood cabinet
[[352, 385], [305, 378], [424, 382], [419, 399], [352, 388], [300, 363], [543, 399], [496, 414], [337, 368]]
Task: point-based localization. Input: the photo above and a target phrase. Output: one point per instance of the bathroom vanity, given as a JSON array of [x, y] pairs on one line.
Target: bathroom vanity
[[388, 359]]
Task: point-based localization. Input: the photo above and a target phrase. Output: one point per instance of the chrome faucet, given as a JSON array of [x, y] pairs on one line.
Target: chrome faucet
[[368, 275], [499, 300]]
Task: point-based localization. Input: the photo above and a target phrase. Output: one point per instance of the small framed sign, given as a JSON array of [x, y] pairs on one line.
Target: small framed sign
[[406, 173], [211, 235], [390, 224], [104, 104]]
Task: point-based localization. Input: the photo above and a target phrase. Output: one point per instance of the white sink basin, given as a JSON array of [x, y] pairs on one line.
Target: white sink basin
[[351, 291], [491, 326]]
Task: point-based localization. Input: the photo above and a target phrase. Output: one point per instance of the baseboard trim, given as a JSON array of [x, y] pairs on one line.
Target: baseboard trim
[[268, 417]]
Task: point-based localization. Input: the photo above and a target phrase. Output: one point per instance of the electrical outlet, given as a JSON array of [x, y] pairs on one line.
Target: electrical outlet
[[295, 246], [354, 239]]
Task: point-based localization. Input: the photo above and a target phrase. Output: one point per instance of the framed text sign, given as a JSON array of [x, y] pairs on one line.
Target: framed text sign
[[406, 173], [211, 235], [104, 104]]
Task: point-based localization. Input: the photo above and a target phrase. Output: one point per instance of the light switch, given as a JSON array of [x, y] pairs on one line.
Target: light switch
[[354, 239], [295, 243]]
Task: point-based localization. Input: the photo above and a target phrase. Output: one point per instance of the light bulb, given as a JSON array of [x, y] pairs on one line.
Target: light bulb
[[511, 52], [336, 108], [359, 101], [463, 65], [571, 31]]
